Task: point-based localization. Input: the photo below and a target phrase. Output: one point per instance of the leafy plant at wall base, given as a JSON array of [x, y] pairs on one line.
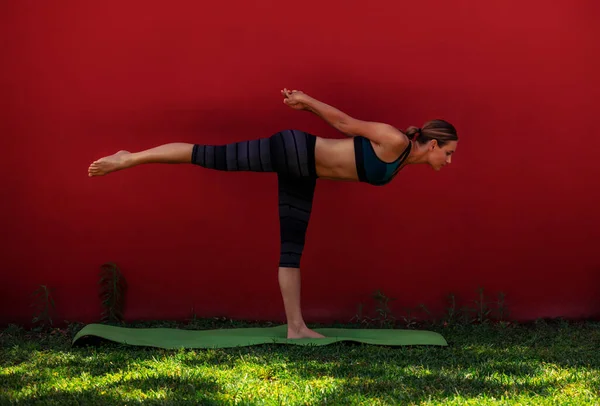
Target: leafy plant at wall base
[[409, 319], [483, 311], [385, 314], [112, 292], [451, 312], [44, 304], [359, 316], [501, 310]]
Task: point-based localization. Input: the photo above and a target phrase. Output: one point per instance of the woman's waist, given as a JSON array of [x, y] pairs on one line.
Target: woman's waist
[[335, 158]]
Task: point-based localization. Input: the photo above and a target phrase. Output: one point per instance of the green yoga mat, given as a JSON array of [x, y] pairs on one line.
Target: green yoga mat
[[226, 338]]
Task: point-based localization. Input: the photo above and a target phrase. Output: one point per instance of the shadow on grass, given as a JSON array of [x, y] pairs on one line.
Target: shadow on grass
[[392, 378], [189, 390]]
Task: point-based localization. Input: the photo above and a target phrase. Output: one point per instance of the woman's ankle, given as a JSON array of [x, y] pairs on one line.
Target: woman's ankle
[[296, 325]]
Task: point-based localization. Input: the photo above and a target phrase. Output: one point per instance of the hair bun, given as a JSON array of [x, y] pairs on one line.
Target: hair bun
[[417, 133]]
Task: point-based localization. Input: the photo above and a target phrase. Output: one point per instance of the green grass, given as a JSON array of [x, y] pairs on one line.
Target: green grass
[[539, 364]]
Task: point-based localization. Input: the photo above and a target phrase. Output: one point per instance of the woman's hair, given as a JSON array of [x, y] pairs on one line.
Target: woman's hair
[[439, 130]]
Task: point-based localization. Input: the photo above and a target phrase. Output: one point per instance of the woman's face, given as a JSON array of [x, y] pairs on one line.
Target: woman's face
[[438, 157]]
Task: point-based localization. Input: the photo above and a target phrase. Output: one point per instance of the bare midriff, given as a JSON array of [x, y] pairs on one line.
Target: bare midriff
[[334, 159]]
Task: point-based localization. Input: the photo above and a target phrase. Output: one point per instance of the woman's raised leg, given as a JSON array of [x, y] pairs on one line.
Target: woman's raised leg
[[289, 152], [173, 153]]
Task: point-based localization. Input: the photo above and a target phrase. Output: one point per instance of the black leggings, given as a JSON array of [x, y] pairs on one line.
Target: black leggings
[[289, 153]]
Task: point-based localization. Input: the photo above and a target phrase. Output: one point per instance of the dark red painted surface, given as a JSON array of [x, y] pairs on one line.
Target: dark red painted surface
[[516, 212]]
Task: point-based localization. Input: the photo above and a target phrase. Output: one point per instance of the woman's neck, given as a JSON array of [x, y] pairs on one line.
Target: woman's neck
[[417, 154]]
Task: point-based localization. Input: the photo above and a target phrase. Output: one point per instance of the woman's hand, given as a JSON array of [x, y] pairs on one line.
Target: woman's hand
[[294, 99]]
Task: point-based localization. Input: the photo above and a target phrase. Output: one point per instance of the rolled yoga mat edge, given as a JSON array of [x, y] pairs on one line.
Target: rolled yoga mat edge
[[172, 338]]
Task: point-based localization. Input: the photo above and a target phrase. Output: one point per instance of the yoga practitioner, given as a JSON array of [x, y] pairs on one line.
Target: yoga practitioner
[[373, 153]]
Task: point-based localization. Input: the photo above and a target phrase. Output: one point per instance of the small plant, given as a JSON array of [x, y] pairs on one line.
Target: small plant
[[428, 315], [483, 311], [466, 315], [501, 311], [385, 314], [385, 317], [44, 305], [112, 292], [359, 316], [409, 319], [451, 311], [194, 317]]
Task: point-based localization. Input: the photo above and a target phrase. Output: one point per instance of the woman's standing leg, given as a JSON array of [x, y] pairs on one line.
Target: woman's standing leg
[[295, 205]]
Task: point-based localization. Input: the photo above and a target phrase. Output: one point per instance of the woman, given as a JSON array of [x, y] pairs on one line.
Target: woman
[[374, 154]]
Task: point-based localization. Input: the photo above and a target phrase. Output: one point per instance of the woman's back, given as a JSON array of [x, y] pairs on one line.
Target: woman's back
[[336, 158]]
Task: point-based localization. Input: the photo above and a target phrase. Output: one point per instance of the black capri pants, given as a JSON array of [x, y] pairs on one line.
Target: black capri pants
[[290, 154]]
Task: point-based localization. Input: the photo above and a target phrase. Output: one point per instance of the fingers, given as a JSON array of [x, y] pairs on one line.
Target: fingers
[[293, 102], [288, 93]]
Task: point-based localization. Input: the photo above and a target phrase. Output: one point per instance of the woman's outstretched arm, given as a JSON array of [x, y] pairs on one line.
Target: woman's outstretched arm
[[379, 133]]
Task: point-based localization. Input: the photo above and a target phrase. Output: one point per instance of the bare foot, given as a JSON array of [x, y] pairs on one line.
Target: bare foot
[[303, 332], [108, 164]]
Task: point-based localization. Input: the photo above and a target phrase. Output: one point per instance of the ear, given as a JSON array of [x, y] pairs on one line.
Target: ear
[[433, 144]]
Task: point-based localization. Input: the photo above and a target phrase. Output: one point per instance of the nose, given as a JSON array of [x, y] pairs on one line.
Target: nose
[[449, 160]]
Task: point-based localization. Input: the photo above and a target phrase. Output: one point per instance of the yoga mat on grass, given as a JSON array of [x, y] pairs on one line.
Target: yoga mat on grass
[[170, 338]]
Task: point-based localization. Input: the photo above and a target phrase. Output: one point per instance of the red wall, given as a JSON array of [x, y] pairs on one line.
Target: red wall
[[516, 212]]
